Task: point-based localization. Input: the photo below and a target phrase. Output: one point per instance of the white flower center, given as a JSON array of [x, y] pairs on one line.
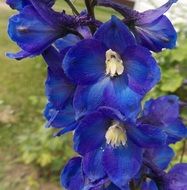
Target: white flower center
[[116, 135], [114, 63]]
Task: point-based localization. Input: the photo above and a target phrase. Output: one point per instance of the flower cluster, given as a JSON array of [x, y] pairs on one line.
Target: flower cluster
[[97, 76]]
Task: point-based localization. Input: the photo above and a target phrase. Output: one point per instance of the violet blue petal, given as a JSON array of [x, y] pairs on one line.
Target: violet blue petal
[[163, 109], [31, 32], [90, 133], [72, 177], [147, 136], [59, 118], [141, 68], [161, 156], [85, 62], [93, 165], [89, 98], [177, 177], [122, 163], [119, 96], [153, 14], [115, 35]]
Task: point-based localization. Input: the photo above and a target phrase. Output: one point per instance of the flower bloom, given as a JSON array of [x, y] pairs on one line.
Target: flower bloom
[[37, 26], [73, 178], [163, 113], [59, 110], [107, 141], [110, 69], [151, 28]]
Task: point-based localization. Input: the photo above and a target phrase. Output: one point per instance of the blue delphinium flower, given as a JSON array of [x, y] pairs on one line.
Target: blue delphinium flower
[[112, 145], [59, 89], [73, 178], [151, 28], [163, 113], [111, 70], [37, 26]]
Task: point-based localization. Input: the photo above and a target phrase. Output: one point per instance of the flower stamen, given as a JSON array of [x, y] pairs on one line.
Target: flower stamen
[[116, 135], [114, 63]]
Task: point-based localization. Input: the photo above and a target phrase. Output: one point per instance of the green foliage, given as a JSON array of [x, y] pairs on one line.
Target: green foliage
[[41, 148]]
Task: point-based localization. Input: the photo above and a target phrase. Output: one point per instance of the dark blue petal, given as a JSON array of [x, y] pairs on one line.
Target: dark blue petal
[[72, 176], [114, 187], [88, 98], [177, 177], [122, 163], [93, 166], [85, 62], [59, 118], [149, 185], [54, 59], [147, 136], [115, 35], [68, 128], [118, 95], [20, 55], [20, 4], [58, 88], [112, 113], [157, 34], [161, 156], [153, 14], [66, 41], [163, 109], [141, 68], [31, 32], [175, 130], [90, 133]]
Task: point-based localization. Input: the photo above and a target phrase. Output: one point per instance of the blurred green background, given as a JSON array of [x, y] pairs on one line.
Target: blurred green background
[[30, 157]]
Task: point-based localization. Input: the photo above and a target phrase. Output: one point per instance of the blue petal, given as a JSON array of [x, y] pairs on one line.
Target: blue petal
[[67, 41], [147, 136], [115, 35], [141, 68], [72, 176], [58, 88], [93, 166], [112, 113], [31, 32], [149, 185], [59, 118], [122, 163], [153, 14], [177, 177], [20, 4], [157, 34], [90, 133], [161, 156], [85, 62], [114, 187], [175, 130], [89, 98], [19, 55], [121, 97], [162, 110]]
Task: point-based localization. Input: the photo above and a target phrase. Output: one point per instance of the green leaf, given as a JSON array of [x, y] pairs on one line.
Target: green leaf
[[171, 80]]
